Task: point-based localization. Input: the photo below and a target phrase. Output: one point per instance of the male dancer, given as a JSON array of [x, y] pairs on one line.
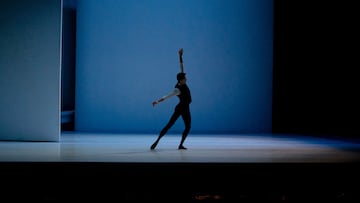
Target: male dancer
[[182, 108]]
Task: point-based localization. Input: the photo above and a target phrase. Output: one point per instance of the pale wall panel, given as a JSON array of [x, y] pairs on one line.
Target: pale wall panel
[[30, 63]]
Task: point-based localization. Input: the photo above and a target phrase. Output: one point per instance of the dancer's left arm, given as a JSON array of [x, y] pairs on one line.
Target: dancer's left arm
[[181, 51]]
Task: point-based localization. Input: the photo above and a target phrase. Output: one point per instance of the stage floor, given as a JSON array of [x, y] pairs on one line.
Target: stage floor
[[214, 168], [202, 148]]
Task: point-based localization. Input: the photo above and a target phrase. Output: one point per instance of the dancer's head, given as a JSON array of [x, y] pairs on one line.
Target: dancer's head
[[181, 78]]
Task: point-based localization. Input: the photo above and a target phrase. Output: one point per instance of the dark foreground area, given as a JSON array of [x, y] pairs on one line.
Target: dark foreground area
[[179, 182]]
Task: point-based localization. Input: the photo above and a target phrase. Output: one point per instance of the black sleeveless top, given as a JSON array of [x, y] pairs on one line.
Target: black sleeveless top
[[185, 96]]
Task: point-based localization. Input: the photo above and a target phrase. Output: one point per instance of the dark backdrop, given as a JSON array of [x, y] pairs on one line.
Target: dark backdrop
[[314, 68]]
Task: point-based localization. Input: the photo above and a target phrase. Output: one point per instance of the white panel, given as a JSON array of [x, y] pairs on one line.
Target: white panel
[[30, 63]]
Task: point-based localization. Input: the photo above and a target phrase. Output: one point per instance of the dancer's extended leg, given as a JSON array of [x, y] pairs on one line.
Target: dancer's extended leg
[[171, 122]]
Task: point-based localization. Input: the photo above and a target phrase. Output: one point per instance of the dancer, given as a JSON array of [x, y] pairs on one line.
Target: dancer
[[182, 108]]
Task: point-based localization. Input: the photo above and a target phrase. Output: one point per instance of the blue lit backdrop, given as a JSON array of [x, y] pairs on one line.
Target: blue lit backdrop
[[126, 57]]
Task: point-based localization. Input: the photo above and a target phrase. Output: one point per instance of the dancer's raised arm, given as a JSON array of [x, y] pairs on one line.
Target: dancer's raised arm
[[181, 51]]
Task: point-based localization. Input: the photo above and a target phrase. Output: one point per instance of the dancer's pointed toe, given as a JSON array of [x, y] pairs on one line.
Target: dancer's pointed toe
[[182, 147]]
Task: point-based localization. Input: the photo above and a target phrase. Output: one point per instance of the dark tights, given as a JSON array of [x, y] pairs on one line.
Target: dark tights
[[184, 112]]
